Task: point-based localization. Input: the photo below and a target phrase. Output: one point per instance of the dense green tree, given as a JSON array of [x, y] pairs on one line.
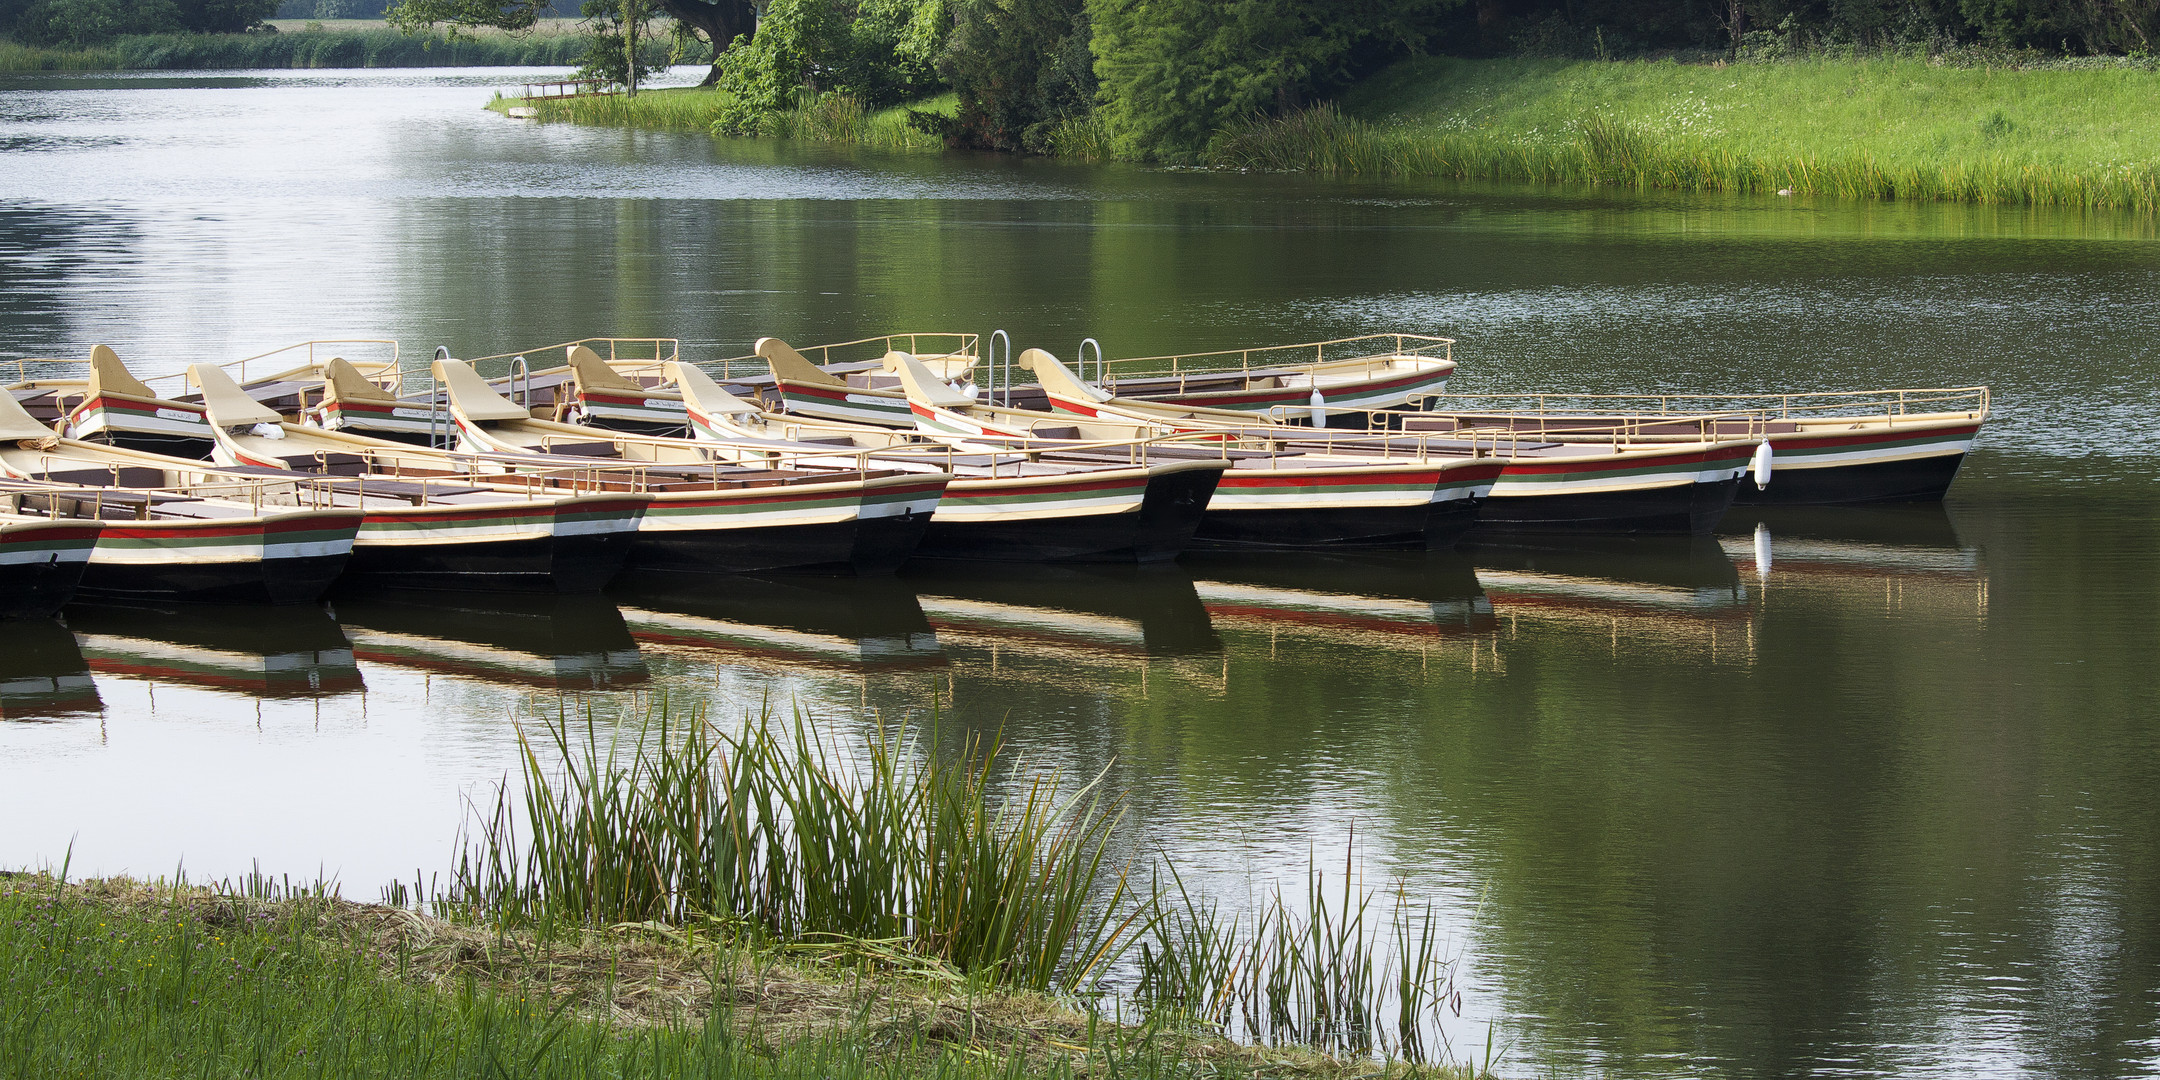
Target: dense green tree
[[1174, 72], [1021, 67], [76, 23], [719, 22]]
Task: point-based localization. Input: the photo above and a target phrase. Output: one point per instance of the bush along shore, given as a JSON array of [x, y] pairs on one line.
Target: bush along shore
[[369, 48], [831, 117], [684, 901]]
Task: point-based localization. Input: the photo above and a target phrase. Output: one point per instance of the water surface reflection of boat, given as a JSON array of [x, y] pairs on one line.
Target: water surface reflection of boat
[[1378, 598], [43, 675], [1081, 612], [1669, 589], [1892, 554], [853, 624], [258, 651], [559, 642]]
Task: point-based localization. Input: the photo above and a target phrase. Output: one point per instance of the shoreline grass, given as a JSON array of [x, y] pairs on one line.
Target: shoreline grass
[[831, 118], [116, 978], [1884, 128]]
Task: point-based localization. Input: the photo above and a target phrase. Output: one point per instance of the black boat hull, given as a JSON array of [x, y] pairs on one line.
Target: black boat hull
[[1432, 525], [298, 580], [1680, 508], [561, 565], [1163, 525], [1925, 479]]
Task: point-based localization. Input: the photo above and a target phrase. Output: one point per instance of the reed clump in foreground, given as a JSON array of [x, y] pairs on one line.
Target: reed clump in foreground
[[1889, 127], [900, 856]]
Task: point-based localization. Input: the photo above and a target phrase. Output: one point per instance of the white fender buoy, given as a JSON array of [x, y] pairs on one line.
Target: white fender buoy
[[1762, 551], [268, 431], [969, 390], [1762, 465], [1318, 409]]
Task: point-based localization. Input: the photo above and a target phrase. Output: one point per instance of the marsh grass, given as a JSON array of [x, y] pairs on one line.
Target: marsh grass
[[1879, 128], [788, 839], [903, 855], [831, 117], [1331, 974]]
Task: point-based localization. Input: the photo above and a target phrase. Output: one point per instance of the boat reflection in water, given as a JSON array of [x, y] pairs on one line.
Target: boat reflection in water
[[553, 642], [43, 675], [1893, 555], [1380, 598], [1076, 613], [846, 624], [1660, 592], [284, 651]]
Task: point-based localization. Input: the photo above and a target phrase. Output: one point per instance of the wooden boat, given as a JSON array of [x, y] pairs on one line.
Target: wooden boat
[[1126, 505], [108, 404], [431, 533], [1275, 494], [42, 560], [1268, 495], [296, 651], [162, 537], [714, 518], [1285, 383], [42, 673], [1291, 383], [1620, 485], [1833, 448]]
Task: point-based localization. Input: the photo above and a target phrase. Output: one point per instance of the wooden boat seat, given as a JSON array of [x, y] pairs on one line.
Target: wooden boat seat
[[327, 462], [581, 450], [826, 440], [1066, 431], [874, 382], [129, 476]]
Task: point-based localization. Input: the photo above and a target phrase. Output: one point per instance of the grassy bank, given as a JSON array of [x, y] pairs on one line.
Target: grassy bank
[[1877, 128], [369, 47], [678, 900], [120, 979], [832, 118]]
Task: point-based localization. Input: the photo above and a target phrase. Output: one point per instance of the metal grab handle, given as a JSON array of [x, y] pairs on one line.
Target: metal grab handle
[[995, 337], [1102, 366]]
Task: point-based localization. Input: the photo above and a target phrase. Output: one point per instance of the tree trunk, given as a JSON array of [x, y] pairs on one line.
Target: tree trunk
[[720, 22]]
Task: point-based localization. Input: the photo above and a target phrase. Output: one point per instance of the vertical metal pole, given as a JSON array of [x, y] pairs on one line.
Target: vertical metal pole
[[995, 337]]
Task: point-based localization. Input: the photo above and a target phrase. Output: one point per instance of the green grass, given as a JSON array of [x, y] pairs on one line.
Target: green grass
[[375, 47], [833, 118], [113, 979], [2084, 135]]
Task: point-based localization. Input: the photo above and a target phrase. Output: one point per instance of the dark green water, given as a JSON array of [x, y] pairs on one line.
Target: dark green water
[[1883, 803]]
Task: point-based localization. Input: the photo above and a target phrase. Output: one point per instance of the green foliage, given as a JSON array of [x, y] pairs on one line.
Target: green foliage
[[1022, 68], [413, 16], [875, 52], [607, 55], [81, 23], [1174, 72]]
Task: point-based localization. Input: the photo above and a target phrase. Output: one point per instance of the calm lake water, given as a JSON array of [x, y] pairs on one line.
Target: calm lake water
[[1866, 793]]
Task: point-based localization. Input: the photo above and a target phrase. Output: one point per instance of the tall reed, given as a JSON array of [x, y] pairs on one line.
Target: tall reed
[[1325, 975], [958, 860], [684, 823]]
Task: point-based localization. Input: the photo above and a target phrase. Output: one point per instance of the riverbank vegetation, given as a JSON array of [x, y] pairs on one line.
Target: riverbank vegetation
[[681, 899], [2023, 101]]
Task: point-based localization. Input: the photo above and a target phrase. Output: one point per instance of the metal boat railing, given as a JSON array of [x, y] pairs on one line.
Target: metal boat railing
[[635, 353], [1973, 402], [926, 345], [1376, 349]]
